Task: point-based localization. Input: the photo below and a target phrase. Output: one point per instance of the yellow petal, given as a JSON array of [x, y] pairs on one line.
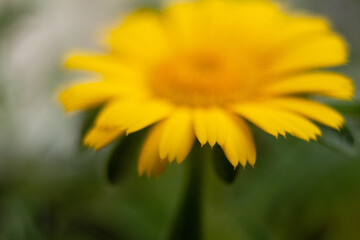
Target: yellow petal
[[149, 160], [275, 121], [195, 24], [322, 51], [141, 36], [133, 115], [211, 125], [310, 109], [182, 21], [295, 29], [239, 146], [177, 137], [89, 94], [98, 138], [233, 135], [109, 65], [320, 83]]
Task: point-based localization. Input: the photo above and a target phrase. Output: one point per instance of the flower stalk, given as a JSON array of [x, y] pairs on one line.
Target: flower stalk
[[188, 223]]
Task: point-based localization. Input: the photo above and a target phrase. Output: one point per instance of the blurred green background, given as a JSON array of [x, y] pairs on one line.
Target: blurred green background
[[52, 188]]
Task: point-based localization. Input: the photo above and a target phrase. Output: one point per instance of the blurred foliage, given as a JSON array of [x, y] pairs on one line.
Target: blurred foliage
[[9, 14], [297, 190]]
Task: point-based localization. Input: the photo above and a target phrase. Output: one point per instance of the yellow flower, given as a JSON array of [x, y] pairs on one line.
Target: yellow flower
[[201, 69]]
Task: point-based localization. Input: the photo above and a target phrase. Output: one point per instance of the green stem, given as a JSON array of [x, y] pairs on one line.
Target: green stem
[[188, 222]]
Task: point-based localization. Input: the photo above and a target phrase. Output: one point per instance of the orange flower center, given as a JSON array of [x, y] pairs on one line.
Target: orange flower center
[[203, 78]]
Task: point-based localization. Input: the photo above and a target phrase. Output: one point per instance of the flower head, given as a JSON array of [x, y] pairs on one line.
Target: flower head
[[201, 70]]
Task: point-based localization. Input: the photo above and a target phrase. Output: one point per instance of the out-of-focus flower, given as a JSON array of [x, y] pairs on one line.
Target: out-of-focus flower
[[197, 70]]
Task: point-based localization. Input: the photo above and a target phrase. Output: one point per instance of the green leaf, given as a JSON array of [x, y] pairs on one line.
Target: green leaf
[[224, 169], [126, 152], [346, 136], [89, 120], [342, 141]]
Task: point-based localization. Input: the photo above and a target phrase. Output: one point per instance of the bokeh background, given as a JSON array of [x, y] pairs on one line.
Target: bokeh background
[[52, 188]]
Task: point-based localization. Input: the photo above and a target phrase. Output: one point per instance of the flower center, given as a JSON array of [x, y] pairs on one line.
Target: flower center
[[202, 78]]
